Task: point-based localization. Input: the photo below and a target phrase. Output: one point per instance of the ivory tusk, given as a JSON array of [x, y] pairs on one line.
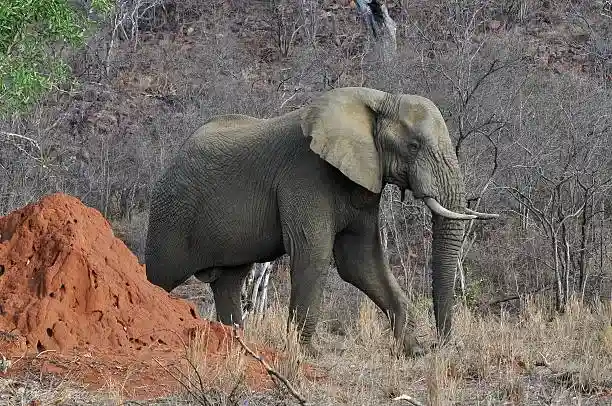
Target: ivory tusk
[[440, 210], [484, 216]]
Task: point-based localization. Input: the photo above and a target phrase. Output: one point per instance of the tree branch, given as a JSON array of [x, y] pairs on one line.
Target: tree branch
[[516, 297], [271, 371], [410, 400]]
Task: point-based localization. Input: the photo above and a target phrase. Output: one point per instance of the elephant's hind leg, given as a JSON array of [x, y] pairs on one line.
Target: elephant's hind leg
[[226, 291], [359, 259]]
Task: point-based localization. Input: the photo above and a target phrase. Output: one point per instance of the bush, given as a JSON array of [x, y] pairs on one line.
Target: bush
[[32, 35]]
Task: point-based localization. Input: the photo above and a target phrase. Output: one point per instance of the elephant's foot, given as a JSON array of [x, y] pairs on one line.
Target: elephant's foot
[[411, 348]]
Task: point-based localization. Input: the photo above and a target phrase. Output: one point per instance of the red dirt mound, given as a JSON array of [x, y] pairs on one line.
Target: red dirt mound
[[68, 282], [70, 288]]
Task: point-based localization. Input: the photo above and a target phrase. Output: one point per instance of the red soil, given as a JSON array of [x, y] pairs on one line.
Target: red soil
[[76, 296]]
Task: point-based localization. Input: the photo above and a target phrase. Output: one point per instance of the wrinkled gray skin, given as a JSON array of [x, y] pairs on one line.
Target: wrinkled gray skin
[[308, 183]]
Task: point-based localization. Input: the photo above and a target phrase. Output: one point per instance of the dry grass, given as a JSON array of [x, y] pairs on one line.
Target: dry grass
[[48, 390], [271, 330], [533, 357], [230, 368], [505, 347], [212, 380], [529, 358]]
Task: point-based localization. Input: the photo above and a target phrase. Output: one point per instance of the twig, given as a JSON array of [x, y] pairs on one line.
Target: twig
[[516, 297], [543, 362], [410, 400], [199, 395], [42, 352], [289, 99], [5, 364], [271, 371], [30, 140], [21, 137]]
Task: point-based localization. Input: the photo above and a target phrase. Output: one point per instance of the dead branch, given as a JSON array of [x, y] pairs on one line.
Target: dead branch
[[271, 371], [410, 400], [516, 297], [42, 352], [31, 141]]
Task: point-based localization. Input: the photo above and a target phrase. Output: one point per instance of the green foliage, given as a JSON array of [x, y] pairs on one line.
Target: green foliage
[[31, 34], [474, 292]]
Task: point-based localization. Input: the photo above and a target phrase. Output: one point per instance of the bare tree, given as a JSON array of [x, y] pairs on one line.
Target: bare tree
[[561, 176], [380, 24], [255, 289]]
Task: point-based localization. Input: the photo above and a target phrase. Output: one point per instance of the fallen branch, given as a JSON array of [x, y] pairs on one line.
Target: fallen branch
[[521, 295], [410, 400], [271, 371], [42, 352], [5, 364]]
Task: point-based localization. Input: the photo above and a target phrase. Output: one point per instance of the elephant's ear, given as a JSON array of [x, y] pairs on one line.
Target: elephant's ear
[[341, 124]]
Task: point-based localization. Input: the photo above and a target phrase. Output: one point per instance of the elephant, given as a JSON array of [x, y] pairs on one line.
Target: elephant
[[244, 190]]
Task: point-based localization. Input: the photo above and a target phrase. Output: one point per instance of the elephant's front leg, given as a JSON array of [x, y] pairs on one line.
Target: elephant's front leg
[[307, 221], [308, 271], [360, 261]]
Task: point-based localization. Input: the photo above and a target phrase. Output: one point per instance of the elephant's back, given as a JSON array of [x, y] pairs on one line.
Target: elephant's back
[[218, 196]]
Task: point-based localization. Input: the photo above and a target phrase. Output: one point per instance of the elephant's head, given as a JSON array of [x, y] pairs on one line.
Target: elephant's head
[[376, 138]]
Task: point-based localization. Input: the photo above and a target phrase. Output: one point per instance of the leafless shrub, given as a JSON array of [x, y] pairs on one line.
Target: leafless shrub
[[288, 25], [595, 40], [406, 236], [296, 21], [561, 175]]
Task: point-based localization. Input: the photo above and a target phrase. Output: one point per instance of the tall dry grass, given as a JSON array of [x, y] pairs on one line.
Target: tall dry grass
[[531, 357], [523, 357], [271, 330]]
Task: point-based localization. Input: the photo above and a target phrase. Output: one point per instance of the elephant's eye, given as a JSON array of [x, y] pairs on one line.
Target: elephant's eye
[[413, 147]]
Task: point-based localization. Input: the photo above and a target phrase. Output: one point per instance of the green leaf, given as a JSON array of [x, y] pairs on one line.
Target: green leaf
[[30, 31]]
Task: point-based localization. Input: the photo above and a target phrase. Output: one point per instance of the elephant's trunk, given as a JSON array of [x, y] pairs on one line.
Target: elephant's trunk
[[447, 237], [447, 240]]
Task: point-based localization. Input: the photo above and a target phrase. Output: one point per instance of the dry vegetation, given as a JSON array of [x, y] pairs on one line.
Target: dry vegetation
[[528, 357], [526, 88]]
